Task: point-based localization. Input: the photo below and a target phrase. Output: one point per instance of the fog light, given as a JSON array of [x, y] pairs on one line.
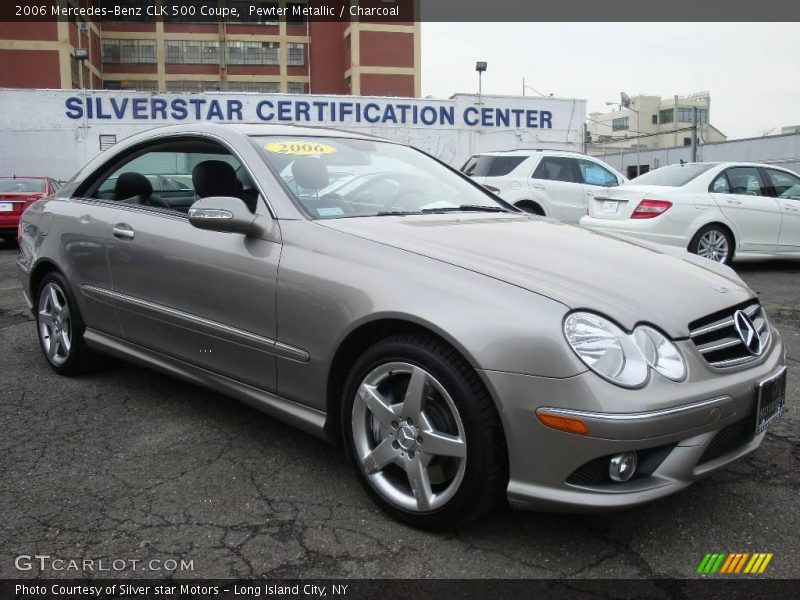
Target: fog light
[[621, 467]]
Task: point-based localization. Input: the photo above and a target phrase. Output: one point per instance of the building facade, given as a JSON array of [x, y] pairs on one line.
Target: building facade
[[652, 122], [290, 55]]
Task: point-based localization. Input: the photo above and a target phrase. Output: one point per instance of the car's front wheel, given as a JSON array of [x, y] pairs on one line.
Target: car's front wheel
[[713, 242], [60, 327], [423, 434]]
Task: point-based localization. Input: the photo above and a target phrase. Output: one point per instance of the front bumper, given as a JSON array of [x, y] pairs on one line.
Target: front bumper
[[677, 433]]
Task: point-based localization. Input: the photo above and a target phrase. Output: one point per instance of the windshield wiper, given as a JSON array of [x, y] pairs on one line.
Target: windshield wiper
[[397, 213], [466, 208]]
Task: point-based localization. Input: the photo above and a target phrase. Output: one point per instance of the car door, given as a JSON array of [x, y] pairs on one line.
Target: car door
[[595, 177], [744, 197], [557, 180], [206, 298], [787, 192]]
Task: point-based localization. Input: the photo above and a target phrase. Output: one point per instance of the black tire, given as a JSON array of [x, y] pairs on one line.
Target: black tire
[[530, 207], [485, 471], [78, 358], [699, 243]]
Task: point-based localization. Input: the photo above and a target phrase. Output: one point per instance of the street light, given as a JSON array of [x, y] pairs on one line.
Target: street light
[[480, 67]]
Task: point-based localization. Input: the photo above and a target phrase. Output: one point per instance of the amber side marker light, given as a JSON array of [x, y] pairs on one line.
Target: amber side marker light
[[563, 423]]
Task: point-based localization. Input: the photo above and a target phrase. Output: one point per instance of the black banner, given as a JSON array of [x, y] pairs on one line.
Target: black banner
[[733, 588], [267, 12]]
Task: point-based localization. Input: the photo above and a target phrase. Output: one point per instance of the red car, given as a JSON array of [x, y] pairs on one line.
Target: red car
[[16, 194]]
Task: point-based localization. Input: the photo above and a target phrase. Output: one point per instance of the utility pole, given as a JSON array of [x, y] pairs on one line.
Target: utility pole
[[694, 134]]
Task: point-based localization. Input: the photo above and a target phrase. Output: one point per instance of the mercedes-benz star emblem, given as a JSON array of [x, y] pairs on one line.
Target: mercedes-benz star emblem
[[747, 331]]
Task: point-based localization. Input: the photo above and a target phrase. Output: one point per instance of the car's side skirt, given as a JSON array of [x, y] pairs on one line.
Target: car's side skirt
[[303, 417]]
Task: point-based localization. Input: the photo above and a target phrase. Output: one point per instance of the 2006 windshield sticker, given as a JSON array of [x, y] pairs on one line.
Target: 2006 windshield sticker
[[300, 148]]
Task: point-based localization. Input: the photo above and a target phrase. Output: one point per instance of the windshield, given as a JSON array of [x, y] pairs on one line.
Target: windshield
[[672, 176], [341, 177], [22, 185]]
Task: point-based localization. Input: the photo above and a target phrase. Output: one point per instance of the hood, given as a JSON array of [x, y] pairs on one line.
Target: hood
[[629, 281]]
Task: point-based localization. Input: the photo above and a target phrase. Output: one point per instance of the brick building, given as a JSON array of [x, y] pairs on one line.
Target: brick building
[[293, 55]]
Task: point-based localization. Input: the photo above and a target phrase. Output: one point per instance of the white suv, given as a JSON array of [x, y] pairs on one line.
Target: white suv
[[554, 183]]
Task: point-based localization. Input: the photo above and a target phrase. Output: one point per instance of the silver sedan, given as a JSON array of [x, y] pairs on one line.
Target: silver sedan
[[463, 352]]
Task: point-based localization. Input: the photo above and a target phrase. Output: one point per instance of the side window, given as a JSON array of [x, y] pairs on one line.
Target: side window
[[595, 174], [746, 181], [786, 185], [174, 180], [720, 185], [555, 168]]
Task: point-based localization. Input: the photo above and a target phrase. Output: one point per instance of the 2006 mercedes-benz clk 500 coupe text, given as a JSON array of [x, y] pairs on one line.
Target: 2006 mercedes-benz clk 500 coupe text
[[462, 350]]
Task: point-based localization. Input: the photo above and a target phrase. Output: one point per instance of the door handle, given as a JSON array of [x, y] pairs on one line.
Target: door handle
[[538, 186], [123, 231], [736, 202]]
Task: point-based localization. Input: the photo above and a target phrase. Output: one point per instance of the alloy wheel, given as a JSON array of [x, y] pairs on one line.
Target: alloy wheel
[[409, 438], [713, 245], [55, 325]]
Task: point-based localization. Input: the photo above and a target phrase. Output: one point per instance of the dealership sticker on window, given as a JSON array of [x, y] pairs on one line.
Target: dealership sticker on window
[[300, 148]]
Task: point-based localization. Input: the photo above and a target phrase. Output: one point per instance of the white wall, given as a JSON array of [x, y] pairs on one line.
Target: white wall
[[38, 137]]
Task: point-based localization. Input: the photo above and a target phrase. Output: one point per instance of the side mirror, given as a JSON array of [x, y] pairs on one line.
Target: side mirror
[[223, 213]]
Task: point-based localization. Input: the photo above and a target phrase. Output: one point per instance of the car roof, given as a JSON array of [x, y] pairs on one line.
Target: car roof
[[257, 129], [25, 177], [530, 152]]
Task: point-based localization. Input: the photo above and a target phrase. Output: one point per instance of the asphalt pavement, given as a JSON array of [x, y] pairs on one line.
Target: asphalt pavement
[[128, 464]]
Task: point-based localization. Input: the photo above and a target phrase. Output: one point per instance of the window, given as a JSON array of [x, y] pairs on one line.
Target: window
[[252, 53], [620, 123], [491, 166], [129, 51], [191, 52], [334, 177], [786, 185], [720, 185], [687, 141], [556, 168], [655, 120], [296, 56], [193, 87], [106, 141], [666, 116], [296, 87], [21, 184], [142, 85], [163, 177], [685, 115], [594, 174], [673, 175], [264, 87], [746, 181]]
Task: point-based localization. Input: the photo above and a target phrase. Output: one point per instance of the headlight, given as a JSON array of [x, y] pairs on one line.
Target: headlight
[[659, 352], [606, 349], [623, 359]]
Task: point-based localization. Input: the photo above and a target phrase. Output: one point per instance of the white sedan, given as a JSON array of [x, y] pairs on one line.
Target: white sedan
[[720, 211]]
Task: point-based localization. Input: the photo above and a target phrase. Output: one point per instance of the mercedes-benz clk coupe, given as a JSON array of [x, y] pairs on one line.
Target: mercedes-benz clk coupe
[[461, 350]]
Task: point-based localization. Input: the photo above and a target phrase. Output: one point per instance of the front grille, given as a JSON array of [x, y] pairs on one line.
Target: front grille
[[730, 438], [718, 341]]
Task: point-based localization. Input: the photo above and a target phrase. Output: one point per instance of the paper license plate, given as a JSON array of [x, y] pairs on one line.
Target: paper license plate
[[771, 401], [609, 207]]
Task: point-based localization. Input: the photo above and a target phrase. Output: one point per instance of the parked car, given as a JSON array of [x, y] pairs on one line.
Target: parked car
[[462, 353], [719, 211], [16, 194], [553, 183]]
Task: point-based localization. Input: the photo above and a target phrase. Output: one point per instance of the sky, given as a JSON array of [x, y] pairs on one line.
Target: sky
[[752, 70]]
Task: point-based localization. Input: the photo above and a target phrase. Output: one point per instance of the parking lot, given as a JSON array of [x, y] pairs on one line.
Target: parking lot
[[131, 464]]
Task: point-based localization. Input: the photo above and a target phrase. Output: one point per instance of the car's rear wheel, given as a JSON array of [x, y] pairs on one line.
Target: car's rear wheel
[[529, 206], [423, 434], [60, 327], [713, 242]]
